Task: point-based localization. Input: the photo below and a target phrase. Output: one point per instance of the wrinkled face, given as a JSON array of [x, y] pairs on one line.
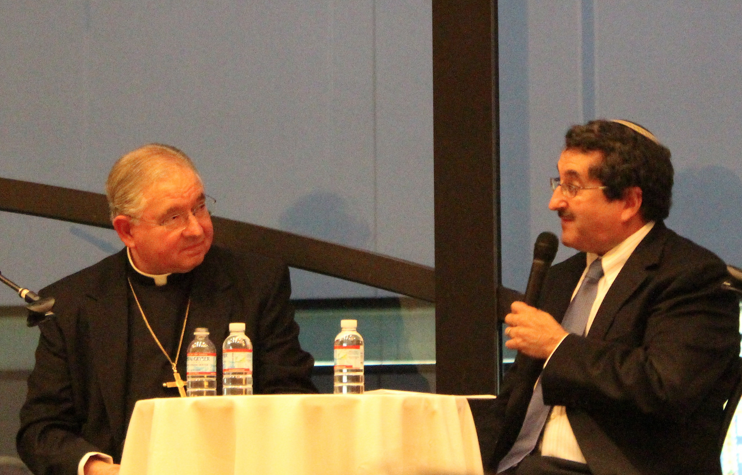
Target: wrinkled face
[[158, 247], [590, 222]]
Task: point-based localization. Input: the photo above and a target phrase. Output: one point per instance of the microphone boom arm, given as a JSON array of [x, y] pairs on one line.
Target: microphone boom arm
[[38, 308]]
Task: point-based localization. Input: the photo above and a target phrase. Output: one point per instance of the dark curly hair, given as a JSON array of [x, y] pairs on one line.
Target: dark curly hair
[[629, 159]]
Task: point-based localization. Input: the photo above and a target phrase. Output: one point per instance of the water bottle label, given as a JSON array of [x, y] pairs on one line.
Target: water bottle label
[[201, 363], [237, 360], [349, 357]]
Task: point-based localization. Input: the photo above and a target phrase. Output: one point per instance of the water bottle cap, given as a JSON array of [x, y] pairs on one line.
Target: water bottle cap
[[237, 327], [348, 323], [201, 331]]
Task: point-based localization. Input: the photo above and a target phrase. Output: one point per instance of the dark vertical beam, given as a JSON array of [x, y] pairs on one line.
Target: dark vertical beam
[[467, 233], [588, 60]]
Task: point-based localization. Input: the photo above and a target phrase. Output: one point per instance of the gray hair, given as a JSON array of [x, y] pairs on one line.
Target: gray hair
[[136, 171]]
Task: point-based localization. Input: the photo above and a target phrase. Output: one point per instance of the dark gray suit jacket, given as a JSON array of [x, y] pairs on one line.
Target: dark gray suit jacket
[[644, 391], [76, 402]]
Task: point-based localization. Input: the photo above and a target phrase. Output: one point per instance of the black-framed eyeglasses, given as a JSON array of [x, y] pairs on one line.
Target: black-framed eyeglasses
[[179, 220], [569, 190]]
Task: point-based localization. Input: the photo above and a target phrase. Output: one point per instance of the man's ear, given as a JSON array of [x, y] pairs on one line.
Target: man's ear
[[632, 198], [122, 224]]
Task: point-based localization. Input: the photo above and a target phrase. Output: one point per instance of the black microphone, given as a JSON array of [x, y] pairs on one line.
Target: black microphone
[[38, 309], [544, 252]]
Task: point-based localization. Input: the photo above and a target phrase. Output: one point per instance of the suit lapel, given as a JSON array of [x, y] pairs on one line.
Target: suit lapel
[[633, 273], [212, 304], [109, 332]]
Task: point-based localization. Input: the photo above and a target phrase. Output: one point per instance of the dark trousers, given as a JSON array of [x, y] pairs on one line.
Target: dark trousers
[[538, 465]]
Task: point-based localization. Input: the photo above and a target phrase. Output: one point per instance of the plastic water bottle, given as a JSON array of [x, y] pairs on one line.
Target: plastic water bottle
[[349, 359], [237, 362], [201, 365]]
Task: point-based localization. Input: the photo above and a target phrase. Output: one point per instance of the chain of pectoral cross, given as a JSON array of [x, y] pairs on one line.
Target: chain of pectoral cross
[[178, 383]]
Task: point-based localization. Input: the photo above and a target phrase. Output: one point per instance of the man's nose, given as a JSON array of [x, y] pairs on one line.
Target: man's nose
[[193, 226], [557, 200]]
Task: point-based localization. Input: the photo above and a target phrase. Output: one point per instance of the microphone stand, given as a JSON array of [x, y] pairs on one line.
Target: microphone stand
[[39, 309]]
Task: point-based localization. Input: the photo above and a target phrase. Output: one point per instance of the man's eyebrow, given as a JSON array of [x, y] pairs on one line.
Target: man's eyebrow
[[177, 210], [572, 174], [173, 210]]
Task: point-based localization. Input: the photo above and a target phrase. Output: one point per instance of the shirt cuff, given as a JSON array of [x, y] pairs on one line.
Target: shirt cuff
[[100, 456]]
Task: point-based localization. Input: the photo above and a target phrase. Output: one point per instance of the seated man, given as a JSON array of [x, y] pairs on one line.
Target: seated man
[[121, 326], [625, 366]]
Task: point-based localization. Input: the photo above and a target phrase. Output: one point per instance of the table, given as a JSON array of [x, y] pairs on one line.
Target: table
[[380, 432]]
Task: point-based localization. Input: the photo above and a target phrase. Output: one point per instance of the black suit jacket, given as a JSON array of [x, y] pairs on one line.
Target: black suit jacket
[[644, 391], [76, 402]]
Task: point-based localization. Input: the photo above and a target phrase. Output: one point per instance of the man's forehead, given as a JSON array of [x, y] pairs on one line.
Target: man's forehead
[[181, 182], [576, 163], [172, 195], [178, 200]]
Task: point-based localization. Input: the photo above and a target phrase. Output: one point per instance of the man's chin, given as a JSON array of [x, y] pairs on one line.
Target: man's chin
[[568, 239], [191, 259], [187, 265], [575, 243]]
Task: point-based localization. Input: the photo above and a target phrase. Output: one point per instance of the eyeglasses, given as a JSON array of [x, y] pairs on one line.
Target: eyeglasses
[[180, 219], [569, 190]]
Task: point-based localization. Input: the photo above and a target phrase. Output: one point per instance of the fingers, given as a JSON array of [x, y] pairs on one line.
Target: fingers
[[518, 311], [532, 331]]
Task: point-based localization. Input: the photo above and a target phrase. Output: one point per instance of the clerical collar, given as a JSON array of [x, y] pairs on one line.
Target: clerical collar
[[160, 279]]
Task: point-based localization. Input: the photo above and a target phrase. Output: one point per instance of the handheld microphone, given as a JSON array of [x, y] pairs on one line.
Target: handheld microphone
[[544, 252], [38, 309]]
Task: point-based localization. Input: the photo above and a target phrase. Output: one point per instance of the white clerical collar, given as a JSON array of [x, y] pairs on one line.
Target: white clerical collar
[[160, 279]]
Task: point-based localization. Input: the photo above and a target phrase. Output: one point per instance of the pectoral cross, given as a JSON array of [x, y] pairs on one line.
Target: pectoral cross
[[178, 383]]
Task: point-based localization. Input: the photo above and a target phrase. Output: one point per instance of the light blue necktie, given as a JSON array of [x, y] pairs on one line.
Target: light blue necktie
[[574, 321]]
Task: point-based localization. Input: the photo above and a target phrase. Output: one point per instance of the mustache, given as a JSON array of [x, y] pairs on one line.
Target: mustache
[[565, 214]]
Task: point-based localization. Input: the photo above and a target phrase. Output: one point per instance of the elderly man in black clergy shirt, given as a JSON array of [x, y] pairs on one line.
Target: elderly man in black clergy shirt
[[631, 379], [97, 357]]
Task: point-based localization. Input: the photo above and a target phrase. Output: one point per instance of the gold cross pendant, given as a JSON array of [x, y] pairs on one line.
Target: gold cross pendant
[[178, 383]]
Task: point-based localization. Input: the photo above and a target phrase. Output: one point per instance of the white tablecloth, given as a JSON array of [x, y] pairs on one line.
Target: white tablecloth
[[380, 432]]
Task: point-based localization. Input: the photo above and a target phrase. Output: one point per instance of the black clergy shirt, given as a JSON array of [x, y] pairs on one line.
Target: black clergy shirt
[[147, 368]]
